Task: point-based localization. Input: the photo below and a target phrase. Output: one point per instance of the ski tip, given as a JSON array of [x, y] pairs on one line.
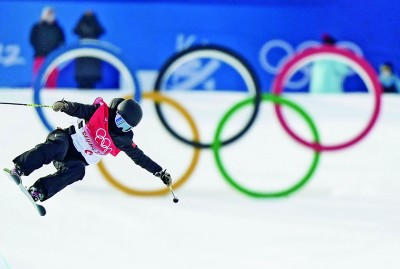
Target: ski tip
[[7, 170]]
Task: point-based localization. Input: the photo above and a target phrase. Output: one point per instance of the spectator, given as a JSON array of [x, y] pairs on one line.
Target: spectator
[[327, 76], [46, 36], [88, 70], [389, 80]]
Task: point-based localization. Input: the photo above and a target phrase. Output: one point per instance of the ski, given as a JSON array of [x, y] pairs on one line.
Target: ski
[[40, 209]]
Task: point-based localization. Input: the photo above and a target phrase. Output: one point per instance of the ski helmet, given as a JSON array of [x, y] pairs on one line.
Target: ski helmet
[[130, 111]]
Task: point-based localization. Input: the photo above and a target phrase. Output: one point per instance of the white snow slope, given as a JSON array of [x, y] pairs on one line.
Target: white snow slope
[[347, 216]]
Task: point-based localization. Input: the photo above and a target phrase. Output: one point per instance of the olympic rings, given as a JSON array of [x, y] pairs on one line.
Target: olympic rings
[[96, 49], [361, 66], [222, 54], [217, 145], [160, 98], [282, 46]]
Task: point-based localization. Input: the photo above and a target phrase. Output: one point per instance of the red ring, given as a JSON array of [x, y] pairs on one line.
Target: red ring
[[293, 65]]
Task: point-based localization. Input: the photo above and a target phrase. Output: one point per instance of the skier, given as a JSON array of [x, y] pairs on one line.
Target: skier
[[100, 130]]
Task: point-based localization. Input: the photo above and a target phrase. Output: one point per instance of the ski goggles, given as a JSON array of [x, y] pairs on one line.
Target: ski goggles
[[121, 123]]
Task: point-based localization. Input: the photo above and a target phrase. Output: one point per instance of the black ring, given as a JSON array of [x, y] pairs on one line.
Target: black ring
[[175, 57]]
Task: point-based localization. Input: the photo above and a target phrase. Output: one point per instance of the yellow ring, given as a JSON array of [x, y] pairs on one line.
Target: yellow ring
[[196, 153]]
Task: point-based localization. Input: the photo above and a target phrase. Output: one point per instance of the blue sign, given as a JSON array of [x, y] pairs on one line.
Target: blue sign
[[264, 33]]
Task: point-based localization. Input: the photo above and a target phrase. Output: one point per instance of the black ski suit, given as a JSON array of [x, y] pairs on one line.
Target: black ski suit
[[70, 164]]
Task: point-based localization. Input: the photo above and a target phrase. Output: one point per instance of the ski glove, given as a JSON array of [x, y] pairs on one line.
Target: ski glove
[[165, 177], [60, 106]]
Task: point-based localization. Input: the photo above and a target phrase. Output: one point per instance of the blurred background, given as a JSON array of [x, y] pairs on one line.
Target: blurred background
[[269, 199]]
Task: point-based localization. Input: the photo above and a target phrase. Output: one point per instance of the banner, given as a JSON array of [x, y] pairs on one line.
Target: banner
[[264, 33]]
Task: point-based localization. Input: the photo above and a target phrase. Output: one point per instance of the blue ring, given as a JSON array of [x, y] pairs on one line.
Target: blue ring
[[101, 46]]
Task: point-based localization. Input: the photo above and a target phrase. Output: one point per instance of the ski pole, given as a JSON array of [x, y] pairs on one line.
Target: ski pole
[[173, 194], [19, 104]]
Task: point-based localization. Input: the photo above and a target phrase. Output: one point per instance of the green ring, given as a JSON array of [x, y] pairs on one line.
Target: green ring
[[217, 145]]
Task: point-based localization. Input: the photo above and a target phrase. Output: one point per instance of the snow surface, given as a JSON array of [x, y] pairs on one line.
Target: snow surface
[[346, 216]]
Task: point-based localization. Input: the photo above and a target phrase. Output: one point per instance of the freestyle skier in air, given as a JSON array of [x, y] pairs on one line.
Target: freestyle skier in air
[[100, 130]]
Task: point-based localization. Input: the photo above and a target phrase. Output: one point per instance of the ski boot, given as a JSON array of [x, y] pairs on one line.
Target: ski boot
[[17, 171], [37, 194], [15, 174]]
